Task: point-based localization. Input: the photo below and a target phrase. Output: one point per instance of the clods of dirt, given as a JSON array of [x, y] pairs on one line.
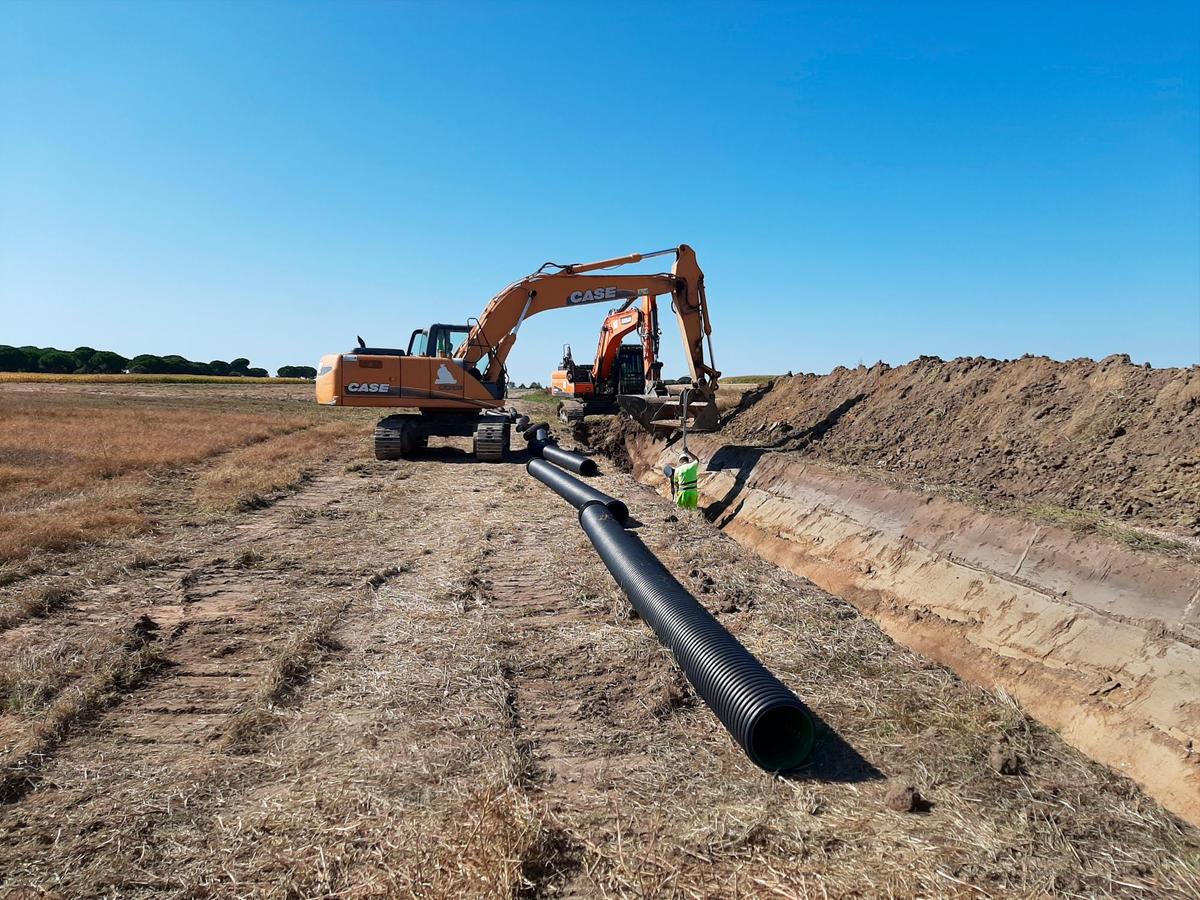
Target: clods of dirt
[[144, 630], [905, 798], [1003, 760]]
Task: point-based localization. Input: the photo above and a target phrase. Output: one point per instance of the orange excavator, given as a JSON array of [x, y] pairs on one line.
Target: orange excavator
[[619, 369], [454, 380]]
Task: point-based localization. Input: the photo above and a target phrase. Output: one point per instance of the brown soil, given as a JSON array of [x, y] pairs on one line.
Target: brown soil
[[1108, 438], [417, 679]]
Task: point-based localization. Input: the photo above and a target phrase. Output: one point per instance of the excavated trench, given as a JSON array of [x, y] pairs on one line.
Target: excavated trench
[[1094, 638]]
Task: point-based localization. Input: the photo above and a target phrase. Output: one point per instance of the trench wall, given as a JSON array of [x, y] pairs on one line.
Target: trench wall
[[1095, 639]]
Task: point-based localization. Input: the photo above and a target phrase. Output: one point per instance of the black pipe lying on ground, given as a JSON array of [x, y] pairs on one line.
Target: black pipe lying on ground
[[768, 720], [541, 445], [520, 423], [568, 459], [574, 491]]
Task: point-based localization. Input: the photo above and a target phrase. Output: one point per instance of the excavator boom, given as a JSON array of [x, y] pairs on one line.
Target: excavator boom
[[493, 336]]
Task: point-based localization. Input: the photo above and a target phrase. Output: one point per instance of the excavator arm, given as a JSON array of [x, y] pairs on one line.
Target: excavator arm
[[616, 326], [496, 331]]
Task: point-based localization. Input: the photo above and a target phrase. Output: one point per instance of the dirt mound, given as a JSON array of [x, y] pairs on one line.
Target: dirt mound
[[607, 434], [1077, 437]]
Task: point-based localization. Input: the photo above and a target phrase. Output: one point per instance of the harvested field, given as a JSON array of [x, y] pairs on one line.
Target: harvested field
[[417, 679], [79, 466]]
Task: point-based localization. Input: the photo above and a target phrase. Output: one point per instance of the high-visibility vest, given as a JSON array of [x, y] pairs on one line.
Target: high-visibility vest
[[687, 496]]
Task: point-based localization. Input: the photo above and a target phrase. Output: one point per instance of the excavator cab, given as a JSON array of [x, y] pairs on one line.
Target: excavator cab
[[629, 369], [438, 339]]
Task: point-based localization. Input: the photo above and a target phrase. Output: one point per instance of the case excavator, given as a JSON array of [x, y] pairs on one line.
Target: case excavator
[[618, 368], [453, 381]]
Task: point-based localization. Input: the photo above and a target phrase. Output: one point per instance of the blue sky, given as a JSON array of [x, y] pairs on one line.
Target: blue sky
[[860, 181]]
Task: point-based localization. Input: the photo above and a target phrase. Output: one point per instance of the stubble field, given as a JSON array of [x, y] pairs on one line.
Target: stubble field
[[240, 657]]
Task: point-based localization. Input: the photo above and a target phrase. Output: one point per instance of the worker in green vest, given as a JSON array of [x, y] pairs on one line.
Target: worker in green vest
[[684, 478]]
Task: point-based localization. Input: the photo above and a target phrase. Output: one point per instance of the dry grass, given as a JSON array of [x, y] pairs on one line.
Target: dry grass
[[1084, 522], [53, 690], [32, 602], [253, 476], [76, 468], [287, 673], [47, 378], [401, 775], [493, 724]]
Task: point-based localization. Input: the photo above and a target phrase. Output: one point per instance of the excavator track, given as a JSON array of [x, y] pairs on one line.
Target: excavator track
[[491, 441], [571, 411], [396, 437]]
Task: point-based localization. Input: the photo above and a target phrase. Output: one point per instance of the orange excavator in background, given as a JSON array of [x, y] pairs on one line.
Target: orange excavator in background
[[618, 369], [454, 379]]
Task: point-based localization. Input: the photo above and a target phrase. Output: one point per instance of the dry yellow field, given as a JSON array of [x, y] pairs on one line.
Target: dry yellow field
[[80, 466]]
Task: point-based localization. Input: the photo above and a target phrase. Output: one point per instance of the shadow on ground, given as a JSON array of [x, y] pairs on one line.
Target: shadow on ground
[[834, 759]]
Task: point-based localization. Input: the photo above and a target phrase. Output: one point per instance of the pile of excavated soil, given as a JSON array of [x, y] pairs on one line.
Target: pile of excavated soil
[[1107, 437]]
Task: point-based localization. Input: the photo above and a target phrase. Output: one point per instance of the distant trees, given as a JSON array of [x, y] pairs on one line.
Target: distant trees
[[57, 362], [13, 359], [296, 372], [89, 361], [105, 362], [535, 386]]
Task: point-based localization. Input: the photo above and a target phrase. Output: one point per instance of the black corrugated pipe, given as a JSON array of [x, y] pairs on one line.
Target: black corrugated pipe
[[768, 720], [521, 423], [530, 432], [574, 491], [568, 459]]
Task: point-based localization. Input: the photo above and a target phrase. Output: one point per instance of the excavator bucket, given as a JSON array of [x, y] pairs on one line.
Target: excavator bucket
[[663, 414]]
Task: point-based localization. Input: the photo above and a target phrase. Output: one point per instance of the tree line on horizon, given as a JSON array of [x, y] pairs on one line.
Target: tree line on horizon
[[89, 361]]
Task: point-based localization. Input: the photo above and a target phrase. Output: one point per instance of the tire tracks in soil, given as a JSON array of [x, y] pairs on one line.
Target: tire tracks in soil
[[218, 618]]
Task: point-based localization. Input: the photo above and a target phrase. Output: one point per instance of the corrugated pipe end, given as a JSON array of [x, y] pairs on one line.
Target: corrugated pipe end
[[781, 738]]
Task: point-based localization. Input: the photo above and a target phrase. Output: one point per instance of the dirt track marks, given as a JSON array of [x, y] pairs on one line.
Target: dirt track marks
[[216, 619]]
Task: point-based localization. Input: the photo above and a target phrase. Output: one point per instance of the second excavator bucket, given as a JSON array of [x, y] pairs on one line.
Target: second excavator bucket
[[663, 413]]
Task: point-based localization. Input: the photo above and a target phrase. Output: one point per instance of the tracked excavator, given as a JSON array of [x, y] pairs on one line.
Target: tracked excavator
[[453, 379], [618, 369]]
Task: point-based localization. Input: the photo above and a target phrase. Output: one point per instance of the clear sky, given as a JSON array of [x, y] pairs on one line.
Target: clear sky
[[860, 181]]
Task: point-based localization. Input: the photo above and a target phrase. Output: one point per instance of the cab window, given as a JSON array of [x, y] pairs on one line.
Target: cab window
[[417, 343]]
